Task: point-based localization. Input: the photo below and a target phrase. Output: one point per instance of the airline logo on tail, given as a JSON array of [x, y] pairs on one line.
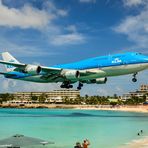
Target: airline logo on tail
[[10, 66], [9, 58]]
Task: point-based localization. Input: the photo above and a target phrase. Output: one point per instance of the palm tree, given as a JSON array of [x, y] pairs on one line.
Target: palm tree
[[34, 98], [5, 97], [78, 100], [66, 100], [42, 98]]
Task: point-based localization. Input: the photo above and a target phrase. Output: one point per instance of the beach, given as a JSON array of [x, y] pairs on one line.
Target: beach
[[138, 143], [126, 108]]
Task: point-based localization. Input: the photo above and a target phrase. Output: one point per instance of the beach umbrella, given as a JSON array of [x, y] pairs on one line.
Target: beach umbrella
[[18, 141]]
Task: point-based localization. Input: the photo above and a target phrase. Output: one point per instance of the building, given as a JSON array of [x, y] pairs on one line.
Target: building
[[144, 88], [55, 96], [139, 93]]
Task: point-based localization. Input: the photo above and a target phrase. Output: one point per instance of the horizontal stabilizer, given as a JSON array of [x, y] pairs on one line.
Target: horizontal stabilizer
[[7, 74]]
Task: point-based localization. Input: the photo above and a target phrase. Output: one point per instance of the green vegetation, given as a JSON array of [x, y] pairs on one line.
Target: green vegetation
[[135, 100], [102, 100], [88, 100], [6, 97], [78, 100], [42, 98]]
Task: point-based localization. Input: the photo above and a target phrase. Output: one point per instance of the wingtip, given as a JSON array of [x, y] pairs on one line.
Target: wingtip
[[4, 52]]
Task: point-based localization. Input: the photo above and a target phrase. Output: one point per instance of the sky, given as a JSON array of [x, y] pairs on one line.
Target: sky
[[50, 32]]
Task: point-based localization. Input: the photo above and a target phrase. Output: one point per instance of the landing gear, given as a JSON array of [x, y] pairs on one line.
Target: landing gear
[[80, 86], [70, 86], [134, 80], [66, 85], [134, 77]]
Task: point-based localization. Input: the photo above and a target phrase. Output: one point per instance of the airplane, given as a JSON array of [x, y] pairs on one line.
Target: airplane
[[90, 71]]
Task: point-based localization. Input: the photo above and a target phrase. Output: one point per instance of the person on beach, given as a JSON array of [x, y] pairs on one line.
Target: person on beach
[[78, 145], [138, 134], [141, 131], [86, 143]]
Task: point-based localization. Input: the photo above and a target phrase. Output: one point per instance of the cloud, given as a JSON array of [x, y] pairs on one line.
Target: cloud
[[132, 3], [43, 20], [71, 36], [52, 9], [65, 39], [87, 1], [9, 85], [23, 50], [71, 28], [62, 12], [26, 17], [135, 28]]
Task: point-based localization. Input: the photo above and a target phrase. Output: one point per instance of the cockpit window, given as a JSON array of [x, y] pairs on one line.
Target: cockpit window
[[138, 53]]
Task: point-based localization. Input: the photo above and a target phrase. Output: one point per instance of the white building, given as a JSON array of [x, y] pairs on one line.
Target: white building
[[139, 93], [55, 96]]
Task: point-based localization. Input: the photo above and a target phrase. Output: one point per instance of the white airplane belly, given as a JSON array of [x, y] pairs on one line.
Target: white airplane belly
[[125, 69], [36, 79]]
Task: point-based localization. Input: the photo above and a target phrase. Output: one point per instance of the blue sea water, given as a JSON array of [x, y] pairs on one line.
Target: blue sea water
[[104, 129]]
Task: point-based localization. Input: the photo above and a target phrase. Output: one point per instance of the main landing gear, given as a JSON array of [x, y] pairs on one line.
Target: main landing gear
[[134, 77], [80, 86], [66, 85]]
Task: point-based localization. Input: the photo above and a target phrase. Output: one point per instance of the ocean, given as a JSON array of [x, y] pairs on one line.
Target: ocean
[[104, 129]]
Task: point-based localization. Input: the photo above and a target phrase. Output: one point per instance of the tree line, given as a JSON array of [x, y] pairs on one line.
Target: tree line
[[105, 100], [88, 100]]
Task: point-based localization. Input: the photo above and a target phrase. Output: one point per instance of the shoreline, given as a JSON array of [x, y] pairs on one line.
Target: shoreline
[[126, 108], [137, 143]]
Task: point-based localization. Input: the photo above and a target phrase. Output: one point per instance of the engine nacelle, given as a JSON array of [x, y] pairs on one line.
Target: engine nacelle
[[96, 81], [72, 74], [101, 80], [33, 69]]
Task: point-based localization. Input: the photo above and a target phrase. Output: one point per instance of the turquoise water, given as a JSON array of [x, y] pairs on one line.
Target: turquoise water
[[104, 129]]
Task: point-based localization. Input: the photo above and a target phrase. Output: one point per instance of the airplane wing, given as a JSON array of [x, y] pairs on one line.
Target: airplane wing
[[55, 74], [51, 70], [22, 66], [48, 70], [19, 65]]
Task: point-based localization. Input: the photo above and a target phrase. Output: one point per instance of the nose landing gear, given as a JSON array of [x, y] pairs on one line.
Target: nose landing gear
[[134, 77], [80, 86]]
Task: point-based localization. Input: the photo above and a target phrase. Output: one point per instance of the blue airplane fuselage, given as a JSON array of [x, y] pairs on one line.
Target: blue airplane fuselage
[[103, 66], [107, 61]]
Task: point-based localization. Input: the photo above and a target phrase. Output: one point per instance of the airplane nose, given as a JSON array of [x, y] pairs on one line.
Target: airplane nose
[[147, 59]]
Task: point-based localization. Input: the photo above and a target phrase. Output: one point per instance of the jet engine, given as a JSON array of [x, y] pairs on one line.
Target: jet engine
[[97, 81], [101, 80], [72, 74], [32, 69]]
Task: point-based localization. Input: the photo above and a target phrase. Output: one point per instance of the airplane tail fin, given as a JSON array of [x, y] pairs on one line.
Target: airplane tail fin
[[9, 58]]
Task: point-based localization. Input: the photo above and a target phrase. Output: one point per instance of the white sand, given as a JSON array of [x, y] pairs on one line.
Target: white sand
[[139, 143]]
